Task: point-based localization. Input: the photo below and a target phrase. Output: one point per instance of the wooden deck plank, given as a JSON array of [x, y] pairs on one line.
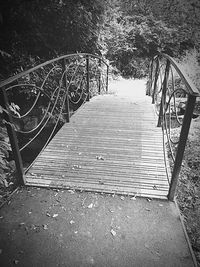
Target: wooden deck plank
[[110, 145]]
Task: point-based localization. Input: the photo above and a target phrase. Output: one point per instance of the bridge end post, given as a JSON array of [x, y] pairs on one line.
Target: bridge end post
[[12, 137], [181, 146]]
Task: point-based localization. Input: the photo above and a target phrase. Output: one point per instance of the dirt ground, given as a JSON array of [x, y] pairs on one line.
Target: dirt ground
[[41, 227]]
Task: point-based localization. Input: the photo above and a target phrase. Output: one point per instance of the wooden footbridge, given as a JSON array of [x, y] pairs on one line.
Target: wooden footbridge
[[112, 143]]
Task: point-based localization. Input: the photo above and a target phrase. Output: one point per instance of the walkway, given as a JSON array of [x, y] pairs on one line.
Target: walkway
[[46, 228], [111, 145]]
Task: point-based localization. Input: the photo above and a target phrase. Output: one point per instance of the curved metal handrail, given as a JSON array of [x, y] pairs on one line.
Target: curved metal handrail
[[24, 73], [190, 85], [167, 82], [50, 87]]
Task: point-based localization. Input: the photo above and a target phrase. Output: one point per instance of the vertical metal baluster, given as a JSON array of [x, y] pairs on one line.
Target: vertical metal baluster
[[155, 81], [181, 146], [164, 91], [12, 136], [107, 79], [150, 78], [99, 77], [88, 78], [67, 90]]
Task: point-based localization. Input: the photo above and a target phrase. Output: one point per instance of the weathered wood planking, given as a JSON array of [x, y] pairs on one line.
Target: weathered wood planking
[[111, 145]]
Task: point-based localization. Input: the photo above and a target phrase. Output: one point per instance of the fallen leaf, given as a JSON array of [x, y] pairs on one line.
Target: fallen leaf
[[55, 189], [83, 202], [5, 183], [113, 232], [72, 222], [33, 227], [76, 232], [133, 198], [75, 167], [55, 215], [99, 158], [45, 226], [71, 191], [90, 206]]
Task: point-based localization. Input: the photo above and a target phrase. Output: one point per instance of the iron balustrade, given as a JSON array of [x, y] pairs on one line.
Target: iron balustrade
[[46, 96], [174, 96]]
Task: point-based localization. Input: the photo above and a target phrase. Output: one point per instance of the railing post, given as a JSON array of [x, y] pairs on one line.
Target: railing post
[[181, 146], [149, 84], [12, 137], [88, 78], [164, 91], [155, 81], [99, 77], [107, 74], [67, 90]]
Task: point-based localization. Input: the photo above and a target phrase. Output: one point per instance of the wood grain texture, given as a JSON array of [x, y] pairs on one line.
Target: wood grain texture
[[111, 145]]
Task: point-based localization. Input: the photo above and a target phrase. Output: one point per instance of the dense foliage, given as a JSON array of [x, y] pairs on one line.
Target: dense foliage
[[32, 31], [135, 30], [127, 32]]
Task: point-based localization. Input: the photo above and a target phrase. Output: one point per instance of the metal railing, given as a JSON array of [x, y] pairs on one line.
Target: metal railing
[[174, 96], [37, 102]]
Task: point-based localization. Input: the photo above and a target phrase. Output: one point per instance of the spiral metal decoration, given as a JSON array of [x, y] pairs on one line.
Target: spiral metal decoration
[[39, 101], [174, 96]]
